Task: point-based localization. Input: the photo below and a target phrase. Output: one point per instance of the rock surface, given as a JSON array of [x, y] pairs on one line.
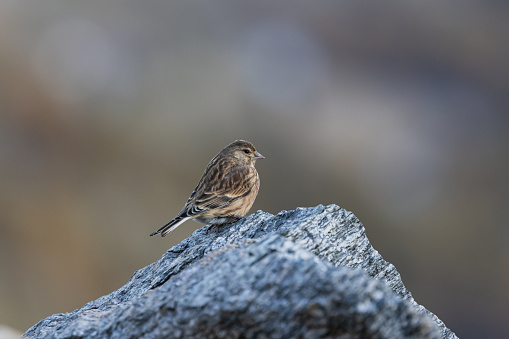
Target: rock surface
[[308, 273]]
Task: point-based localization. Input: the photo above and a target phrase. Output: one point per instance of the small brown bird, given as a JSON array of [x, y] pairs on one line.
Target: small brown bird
[[226, 191]]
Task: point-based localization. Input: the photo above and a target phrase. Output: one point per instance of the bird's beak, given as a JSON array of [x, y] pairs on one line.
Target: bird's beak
[[258, 156]]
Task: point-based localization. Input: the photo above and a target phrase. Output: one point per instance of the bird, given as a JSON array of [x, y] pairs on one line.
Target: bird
[[226, 190]]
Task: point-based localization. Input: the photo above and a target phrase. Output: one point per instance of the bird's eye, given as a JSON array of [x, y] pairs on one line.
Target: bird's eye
[[247, 151]]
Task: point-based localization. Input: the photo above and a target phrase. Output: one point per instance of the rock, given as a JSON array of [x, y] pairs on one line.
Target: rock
[[308, 273]]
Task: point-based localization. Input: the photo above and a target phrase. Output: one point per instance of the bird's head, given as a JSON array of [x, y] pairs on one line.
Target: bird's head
[[243, 151]]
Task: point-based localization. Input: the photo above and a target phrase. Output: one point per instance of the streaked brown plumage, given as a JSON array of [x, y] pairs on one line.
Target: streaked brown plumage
[[226, 191]]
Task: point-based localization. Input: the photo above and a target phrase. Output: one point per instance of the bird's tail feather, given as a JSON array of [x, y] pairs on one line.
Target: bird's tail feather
[[173, 224]]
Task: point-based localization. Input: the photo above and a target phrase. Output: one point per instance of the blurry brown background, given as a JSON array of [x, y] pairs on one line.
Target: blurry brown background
[[395, 110]]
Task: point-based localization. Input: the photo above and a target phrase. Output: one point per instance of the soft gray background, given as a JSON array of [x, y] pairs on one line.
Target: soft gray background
[[395, 110]]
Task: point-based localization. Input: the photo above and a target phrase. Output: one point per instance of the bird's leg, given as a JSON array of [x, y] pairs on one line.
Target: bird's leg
[[209, 227], [233, 219]]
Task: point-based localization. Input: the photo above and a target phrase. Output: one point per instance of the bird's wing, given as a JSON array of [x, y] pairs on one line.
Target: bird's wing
[[236, 183]]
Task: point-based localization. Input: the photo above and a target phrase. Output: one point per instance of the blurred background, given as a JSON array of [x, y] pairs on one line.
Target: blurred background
[[394, 110]]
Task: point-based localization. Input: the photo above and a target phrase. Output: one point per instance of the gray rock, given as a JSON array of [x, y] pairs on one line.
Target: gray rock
[[308, 273]]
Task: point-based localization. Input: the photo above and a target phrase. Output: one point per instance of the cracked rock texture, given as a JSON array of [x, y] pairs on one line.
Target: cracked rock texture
[[307, 273]]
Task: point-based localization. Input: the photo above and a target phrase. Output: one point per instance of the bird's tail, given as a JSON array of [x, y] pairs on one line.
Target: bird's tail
[[173, 224]]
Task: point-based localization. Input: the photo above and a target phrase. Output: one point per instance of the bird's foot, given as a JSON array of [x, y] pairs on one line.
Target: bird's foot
[[209, 228]]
